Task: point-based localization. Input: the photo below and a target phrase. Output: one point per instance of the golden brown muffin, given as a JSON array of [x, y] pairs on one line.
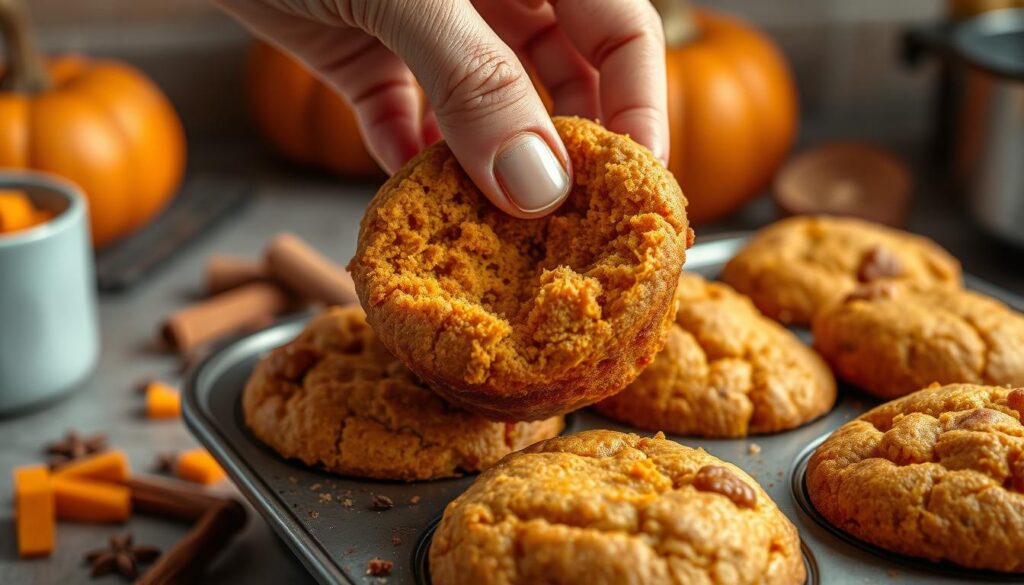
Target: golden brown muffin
[[334, 397], [894, 339], [937, 474], [726, 371], [523, 319], [796, 266], [601, 507]]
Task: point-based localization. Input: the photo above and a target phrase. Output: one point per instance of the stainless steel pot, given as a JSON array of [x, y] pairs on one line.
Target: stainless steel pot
[[988, 138]]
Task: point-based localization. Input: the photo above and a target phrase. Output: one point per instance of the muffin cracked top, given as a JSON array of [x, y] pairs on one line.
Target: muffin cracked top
[[601, 507], [726, 371], [522, 319], [336, 398], [794, 267], [937, 474], [894, 339]]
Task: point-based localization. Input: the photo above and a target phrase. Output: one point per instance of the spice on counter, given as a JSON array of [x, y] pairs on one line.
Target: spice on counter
[[170, 498], [91, 501], [199, 466], [110, 466], [381, 503], [379, 567], [306, 271], [165, 462], [223, 314], [162, 401], [121, 556], [75, 446], [225, 272], [34, 511], [212, 533]]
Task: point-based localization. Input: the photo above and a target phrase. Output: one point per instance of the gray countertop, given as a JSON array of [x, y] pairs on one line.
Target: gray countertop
[[326, 213]]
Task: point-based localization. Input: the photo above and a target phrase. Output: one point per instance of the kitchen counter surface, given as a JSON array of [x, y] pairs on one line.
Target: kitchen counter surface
[[326, 213]]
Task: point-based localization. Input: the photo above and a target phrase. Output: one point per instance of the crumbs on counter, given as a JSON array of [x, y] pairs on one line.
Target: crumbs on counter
[[396, 539], [314, 514], [414, 500], [325, 497], [379, 567], [382, 502], [753, 448]]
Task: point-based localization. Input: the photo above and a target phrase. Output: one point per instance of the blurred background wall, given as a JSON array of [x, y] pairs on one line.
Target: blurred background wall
[[845, 54]]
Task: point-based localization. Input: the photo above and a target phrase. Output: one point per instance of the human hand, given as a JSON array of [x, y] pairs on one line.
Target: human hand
[[598, 58]]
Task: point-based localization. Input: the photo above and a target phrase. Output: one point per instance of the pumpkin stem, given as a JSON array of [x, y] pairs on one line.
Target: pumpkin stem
[[25, 71], [678, 20]]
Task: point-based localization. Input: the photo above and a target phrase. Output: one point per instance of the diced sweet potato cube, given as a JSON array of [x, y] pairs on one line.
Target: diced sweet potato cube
[[34, 511]]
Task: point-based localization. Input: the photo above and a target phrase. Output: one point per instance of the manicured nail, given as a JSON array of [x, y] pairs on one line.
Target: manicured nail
[[530, 174]]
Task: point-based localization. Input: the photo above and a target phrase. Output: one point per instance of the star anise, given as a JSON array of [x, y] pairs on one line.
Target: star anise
[[74, 446], [166, 462], [121, 556]]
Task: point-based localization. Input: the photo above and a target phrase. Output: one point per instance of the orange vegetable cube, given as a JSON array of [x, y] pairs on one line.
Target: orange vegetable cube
[[111, 466], [34, 511], [199, 466], [16, 211], [91, 501], [162, 401]]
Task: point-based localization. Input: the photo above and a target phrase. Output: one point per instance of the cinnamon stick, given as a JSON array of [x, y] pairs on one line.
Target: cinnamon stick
[[228, 312], [211, 534], [225, 272], [309, 273], [170, 498]]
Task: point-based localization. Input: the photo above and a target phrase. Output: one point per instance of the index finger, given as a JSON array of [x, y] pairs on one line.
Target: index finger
[[623, 40]]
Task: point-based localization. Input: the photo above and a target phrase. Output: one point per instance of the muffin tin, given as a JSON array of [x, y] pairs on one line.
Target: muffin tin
[[336, 542]]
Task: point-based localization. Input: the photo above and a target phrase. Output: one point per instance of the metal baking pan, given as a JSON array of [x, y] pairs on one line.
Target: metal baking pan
[[336, 542]]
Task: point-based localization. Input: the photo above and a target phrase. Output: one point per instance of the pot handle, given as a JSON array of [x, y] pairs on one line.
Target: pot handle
[[922, 41]]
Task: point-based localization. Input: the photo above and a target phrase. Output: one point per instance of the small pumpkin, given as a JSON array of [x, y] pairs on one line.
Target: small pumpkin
[[302, 117], [732, 108], [100, 124], [305, 119]]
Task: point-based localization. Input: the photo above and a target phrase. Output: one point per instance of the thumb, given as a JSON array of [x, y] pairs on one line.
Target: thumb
[[485, 103]]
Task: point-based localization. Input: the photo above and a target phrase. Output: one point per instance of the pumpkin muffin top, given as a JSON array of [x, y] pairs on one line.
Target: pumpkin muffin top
[[726, 371], [794, 267], [524, 319], [937, 474], [894, 339], [334, 397], [602, 507]]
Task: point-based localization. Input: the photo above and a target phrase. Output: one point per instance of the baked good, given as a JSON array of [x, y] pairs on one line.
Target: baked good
[[726, 371], [894, 339], [796, 266], [937, 474], [523, 319], [601, 507], [334, 397]]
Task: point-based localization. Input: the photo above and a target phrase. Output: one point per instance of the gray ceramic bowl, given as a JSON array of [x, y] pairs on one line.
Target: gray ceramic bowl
[[49, 333]]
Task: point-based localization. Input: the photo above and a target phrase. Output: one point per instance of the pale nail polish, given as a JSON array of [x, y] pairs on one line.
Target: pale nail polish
[[530, 174]]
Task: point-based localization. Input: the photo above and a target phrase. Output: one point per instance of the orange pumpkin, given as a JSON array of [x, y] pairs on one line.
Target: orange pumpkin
[[305, 119], [101, 124], [302, 116], [732, 108]]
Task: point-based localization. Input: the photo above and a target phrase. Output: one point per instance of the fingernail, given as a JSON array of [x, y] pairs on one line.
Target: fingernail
[[530, 174]]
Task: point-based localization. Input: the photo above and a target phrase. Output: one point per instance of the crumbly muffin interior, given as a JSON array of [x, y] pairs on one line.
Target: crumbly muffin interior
[[535, 294]]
